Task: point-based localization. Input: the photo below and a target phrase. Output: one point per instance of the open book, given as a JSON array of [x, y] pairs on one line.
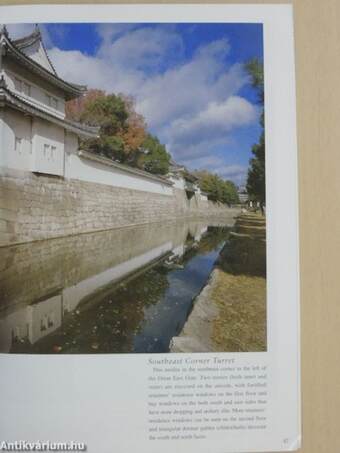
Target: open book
[[149, 284]]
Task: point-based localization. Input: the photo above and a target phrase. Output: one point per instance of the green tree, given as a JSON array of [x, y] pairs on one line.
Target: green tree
[[229, 193], [256, 184], [254, 67], [110, 114], [217, 188], [153, 157]]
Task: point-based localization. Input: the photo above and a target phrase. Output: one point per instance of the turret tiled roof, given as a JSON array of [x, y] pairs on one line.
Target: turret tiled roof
[[18, 50]]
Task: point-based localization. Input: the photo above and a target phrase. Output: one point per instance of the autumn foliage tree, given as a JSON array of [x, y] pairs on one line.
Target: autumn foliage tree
[[76, 107], [134, 133], [123, 132]]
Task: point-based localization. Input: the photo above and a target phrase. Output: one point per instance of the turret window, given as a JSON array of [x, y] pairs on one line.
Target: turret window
[[52, 102], [50, 152], [22, 87], [55, 103], [27, 89], [47, 152], [18, 84], [17, 144]]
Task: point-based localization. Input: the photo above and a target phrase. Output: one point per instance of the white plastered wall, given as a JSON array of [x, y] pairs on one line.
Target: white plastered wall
[[90, 171], [16, 125], [38, 95], [48, 148], [179, 183], [48, 145]]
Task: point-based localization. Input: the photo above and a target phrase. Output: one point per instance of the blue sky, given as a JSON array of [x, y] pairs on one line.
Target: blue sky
[[187, 79]]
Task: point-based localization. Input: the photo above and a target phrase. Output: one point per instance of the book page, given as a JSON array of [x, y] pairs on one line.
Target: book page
[[149, 279]]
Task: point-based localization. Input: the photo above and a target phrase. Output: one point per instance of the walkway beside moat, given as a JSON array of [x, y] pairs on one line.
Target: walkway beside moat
[[229, 315]]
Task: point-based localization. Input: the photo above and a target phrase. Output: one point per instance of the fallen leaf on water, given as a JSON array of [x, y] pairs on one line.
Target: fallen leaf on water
[[57, 348]]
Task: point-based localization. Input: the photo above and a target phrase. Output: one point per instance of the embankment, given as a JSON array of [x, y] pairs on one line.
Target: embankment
[[35, 207], [229, 315]]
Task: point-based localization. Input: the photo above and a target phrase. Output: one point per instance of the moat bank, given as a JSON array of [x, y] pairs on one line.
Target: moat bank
[[35, 207], [229, 314]]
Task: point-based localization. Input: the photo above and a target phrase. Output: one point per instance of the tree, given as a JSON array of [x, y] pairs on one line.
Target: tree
[[135, 133], [107, 111], [154, 157], [256, 184], [122, 129], [229, 193], [123, 132], [254, 67], [208, 183], [75, 107], [217, 188]]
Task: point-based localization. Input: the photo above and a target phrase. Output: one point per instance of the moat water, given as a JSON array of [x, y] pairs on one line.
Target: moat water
[[119, 291]]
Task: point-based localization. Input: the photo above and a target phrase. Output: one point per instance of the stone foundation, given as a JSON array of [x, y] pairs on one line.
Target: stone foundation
[[35, 207]]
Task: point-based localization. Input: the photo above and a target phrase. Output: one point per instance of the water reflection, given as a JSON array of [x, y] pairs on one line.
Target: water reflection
[[126, 290]]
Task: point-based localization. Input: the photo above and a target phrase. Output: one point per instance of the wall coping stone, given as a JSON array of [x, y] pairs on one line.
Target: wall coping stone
[[124, 168]]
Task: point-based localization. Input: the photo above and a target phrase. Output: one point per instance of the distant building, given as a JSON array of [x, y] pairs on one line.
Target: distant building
[[242, 194], [183, 179], [35, 135]]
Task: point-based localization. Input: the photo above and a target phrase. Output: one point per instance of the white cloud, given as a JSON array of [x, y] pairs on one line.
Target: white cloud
[[213, 123], [216, 164], [123, 65], [186, 89], [207, 162], [143, 48], [237, 173], [108, 32], [95, 72]]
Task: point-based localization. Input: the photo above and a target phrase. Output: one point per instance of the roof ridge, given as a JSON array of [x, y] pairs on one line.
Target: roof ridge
[[29, 40], [41, 69]]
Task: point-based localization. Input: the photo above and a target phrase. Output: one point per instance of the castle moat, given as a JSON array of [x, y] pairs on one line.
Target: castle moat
[[119, 291]]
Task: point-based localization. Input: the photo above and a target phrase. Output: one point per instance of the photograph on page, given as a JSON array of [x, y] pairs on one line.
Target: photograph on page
[[148, 138]]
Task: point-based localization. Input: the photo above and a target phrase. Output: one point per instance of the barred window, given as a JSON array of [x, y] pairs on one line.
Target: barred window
[[27, 89], [18, 144], [18, 84]]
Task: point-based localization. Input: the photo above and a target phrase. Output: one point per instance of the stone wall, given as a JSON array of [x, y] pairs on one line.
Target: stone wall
[[35, 207]]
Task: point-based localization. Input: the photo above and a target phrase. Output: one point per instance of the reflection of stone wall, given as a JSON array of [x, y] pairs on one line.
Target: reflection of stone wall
[[44, 281], [32, 271], [38, 207]]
